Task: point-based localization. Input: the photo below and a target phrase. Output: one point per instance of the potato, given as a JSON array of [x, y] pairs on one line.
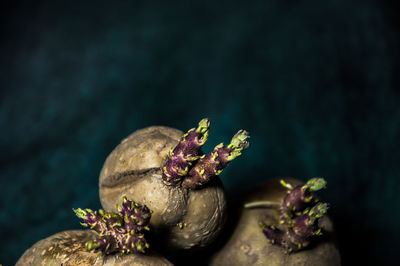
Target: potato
[[182, 218], [247, 245], [68, 248]]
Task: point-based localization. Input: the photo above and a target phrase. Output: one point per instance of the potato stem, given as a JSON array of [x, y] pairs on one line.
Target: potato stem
[[262, 204]]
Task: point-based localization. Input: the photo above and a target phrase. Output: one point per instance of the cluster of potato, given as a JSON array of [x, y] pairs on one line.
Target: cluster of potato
[[183, 221]]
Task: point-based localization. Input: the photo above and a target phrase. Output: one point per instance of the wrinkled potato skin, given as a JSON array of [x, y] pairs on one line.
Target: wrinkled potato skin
[[133, 170], [68, 248], [248, 245]]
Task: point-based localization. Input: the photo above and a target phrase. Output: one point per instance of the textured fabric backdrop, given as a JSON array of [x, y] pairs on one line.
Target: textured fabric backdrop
[[315, 82]]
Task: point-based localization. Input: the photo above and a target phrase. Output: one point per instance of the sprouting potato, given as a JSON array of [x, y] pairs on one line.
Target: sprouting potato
[[251, 242], [166, 170], [69, 248]]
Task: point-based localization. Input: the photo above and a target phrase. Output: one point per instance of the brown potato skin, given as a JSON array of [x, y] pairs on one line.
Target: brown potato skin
[[248, 246], [68, 248], [133, 170]]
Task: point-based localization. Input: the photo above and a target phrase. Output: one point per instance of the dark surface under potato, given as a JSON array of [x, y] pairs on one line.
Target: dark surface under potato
[[68, 248], [133, 170], [247, 245]]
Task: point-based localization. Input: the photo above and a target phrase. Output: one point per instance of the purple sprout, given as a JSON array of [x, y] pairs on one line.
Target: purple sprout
[[300, 197], [186, 165], [213, 163], [118, 232], [188, 150], [300, 212]]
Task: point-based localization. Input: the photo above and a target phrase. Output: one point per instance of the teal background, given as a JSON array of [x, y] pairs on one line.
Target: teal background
[[316, 83]]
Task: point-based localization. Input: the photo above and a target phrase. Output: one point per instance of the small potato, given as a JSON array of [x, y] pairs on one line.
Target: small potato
[[181, 218], [248, 245], [68, 248]]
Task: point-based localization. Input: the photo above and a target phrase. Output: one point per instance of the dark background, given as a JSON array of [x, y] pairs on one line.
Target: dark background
[[315, 82]]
